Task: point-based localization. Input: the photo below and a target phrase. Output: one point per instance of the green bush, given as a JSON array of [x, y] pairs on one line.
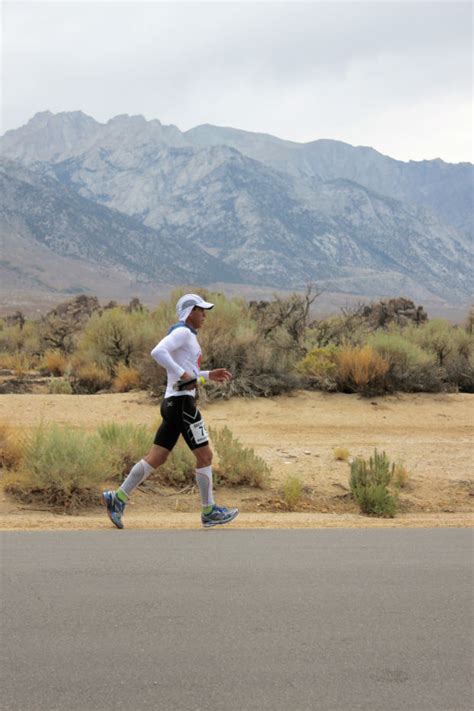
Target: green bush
[[319, 366], [238, 465], [126, 444], [411, 369], [114, 337], [370, 481], [292, 492], [60, 387], [62, 467]]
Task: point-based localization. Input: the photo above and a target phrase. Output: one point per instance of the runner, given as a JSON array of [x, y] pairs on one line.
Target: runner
[[180, 354]]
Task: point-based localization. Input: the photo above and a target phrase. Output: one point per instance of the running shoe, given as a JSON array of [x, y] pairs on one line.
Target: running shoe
[[115, 507], [218, 516]]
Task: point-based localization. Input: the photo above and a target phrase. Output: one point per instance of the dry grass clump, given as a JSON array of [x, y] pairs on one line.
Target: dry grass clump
[[341, 454], [361, 370], [401, 475], [90, 378], [19, 363], [238, 465], [125, 379], [54, 363], [10, 448], [125, 444], [62, 467], [292, 492]]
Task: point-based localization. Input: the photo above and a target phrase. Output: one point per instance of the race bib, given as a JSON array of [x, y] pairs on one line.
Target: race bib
[[199, 432]]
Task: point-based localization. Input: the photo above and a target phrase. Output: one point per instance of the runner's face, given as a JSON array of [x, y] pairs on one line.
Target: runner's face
[[196, 317]]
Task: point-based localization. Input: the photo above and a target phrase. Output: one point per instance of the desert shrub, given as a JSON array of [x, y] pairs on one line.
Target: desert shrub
[[411, 369], [90, 378], [319, 367], [341, 454], [370, 481], [283, 321], [238, 465], [62, 468], [361, 370], [179, 469], [125, 379], [452, 347], [292, 492], [11, 450], [58, 386], [435, 337], [125, 445], [53, 363], [22, 338], [114, 337]]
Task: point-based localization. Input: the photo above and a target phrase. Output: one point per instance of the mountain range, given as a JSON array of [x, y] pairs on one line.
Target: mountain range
[[140, 204]]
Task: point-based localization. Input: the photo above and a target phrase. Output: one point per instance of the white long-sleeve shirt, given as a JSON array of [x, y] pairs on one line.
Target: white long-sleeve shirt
[[179, 352]]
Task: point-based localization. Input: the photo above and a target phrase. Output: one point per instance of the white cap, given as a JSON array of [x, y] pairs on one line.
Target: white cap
[[187, 303]]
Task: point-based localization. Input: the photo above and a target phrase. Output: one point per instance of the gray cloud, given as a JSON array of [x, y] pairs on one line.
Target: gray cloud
[[393, 75]]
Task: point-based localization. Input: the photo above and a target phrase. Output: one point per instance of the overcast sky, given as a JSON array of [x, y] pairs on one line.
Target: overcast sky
[[394, 76]]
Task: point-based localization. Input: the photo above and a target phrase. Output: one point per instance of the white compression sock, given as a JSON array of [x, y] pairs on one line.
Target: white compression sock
[[204, 482], [138, 473]]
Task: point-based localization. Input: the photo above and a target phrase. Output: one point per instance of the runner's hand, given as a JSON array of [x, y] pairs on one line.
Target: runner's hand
[[220, 375], [188, 376]]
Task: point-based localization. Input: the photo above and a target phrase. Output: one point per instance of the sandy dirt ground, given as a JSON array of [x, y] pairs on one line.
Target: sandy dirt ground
[[296, 435]]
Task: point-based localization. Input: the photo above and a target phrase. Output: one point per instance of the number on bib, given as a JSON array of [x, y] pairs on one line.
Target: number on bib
[[199, 432]]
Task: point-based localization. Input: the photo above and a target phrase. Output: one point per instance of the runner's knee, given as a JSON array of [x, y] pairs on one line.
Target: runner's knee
[[203, 456], [156, 456]]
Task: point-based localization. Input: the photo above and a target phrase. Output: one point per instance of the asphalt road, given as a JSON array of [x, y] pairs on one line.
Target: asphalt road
[[237, 620]]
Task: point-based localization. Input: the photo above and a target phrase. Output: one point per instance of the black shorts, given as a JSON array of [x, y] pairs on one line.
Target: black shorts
[[181, 416]]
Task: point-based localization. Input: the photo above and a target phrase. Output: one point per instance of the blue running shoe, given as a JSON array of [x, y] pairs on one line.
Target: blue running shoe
[[114, 506], [218, 516]]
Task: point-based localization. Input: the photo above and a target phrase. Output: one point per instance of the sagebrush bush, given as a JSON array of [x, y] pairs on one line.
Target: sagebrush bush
[[319, 366], [11, 450], [114, 337], [411, 369], [21, 338], [238, 465], [125, 444], [126, 379], [292, 492], [361, 370], [62, 467], [60, 387], [370, 481], [90, 378]]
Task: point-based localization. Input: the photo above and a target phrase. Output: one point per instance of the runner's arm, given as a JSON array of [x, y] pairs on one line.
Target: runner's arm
[[162, 352]]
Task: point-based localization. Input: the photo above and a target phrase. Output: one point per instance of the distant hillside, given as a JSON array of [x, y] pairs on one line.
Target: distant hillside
[[217, 204]]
